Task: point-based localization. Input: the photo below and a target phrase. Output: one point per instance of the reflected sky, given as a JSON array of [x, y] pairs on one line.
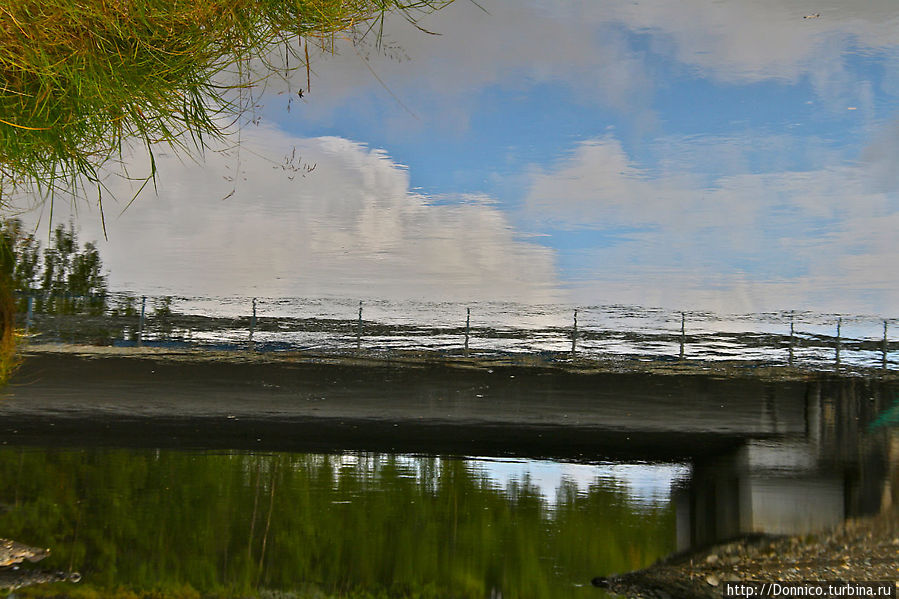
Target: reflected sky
[[731, 156], [646, 485]]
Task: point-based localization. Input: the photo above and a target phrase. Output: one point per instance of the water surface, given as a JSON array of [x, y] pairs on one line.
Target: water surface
[[243, 479]]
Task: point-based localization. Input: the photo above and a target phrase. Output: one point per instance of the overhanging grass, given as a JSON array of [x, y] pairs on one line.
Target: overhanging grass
[[80, 77]]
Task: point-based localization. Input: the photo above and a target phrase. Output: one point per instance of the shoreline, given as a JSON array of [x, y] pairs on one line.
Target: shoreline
[[858, 550], [547, 361]]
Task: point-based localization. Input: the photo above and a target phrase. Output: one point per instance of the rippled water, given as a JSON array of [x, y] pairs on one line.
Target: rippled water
[[328, 324]]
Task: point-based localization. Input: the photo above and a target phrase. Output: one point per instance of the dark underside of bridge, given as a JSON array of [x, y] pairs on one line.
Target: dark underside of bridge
[[64, 400]]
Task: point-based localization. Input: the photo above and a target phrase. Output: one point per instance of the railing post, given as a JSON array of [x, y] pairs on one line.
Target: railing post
[[574, 334], [140, 326], [884, 348], [683, 333], [839, 325], [359, 328], [792, 331], [253, 320], [467, 328]]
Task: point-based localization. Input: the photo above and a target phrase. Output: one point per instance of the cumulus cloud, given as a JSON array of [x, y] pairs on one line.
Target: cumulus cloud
[[674, 233], [439, 77], [350, 227], [788, 240], [591, 48], [751, 41]]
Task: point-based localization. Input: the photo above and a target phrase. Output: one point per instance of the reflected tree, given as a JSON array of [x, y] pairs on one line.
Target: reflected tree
[[65, 277], [8, 359], [171, 524]]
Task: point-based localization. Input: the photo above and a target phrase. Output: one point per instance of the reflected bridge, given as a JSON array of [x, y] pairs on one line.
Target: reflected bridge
[[761, 451]]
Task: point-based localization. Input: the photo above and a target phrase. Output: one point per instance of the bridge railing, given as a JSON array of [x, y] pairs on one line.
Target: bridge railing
[[801, 339]]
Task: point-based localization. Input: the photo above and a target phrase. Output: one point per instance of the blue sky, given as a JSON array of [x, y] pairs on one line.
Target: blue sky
[[519, 119], [732, 156]]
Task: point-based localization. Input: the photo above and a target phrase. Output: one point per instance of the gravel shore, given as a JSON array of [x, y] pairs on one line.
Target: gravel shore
[[859, 550]]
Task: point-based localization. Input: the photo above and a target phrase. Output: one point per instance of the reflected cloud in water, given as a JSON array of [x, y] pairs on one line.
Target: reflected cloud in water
[[755, 240], [736, 157], [352, 226]]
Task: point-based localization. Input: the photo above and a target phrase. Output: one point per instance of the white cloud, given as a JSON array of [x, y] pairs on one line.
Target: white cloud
[[589, 48], [881, 157], [789, 240], [751, 41], [438, 77], [351, 227]]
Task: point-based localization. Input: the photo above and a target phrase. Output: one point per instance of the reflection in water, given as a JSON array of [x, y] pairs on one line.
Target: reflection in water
[[843, 466], [347, 523], [799, 458], [804, 340], [654, 155]]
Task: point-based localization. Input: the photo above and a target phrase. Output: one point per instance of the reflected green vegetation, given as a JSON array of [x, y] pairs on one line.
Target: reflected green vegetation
[[80, 80], [63, 279], [8, 334], [175, 524]]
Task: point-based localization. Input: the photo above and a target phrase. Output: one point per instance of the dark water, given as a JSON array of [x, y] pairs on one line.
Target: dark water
[[361, 524], [329, 480]]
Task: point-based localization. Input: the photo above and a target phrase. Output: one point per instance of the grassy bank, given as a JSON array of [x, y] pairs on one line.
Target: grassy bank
[[80, 79]]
